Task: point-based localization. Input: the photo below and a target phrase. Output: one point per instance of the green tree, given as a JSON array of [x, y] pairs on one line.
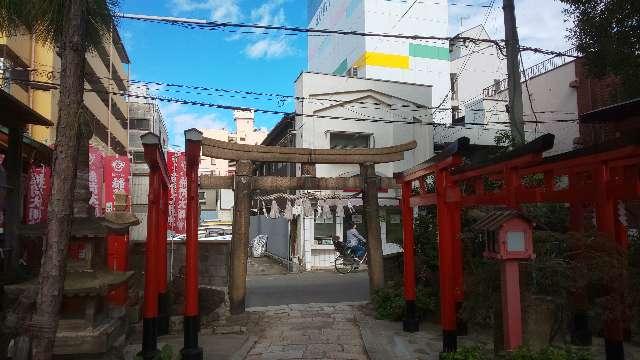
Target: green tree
[[73, 27], [607, 32]]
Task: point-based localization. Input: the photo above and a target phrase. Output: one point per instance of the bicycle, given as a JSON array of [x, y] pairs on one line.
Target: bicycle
[[346, 261]]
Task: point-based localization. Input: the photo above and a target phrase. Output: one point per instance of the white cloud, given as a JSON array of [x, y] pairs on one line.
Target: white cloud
[[540, 24], [269, 48], [219, 10], [271, 12], [179, 118]]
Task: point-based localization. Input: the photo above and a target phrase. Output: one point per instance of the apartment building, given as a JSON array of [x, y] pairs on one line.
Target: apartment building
[[218, 204], [31, 71], [145, 116]]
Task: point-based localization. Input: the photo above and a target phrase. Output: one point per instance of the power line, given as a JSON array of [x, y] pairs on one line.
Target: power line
[[273, 112], [205, 24], [466, 60], [280, 97]]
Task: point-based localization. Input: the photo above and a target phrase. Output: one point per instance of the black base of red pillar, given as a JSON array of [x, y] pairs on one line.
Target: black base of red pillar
[[614, 349], [149, 339], [191, 350], [449, 341], [163, 314], [580, 331], [411, 323]]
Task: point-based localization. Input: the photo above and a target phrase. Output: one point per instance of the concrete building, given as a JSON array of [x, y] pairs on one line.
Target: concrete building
[[145, 116], [550, 94], [32, 67], [332, 109], [410, 61], [218, 204]]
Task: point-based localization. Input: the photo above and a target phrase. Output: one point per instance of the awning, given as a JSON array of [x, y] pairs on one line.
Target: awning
[[15, 114]]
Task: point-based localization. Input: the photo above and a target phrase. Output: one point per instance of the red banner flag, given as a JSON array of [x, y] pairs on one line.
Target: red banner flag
[[117, 171], [176, 166], [96, 177], [37, 194]]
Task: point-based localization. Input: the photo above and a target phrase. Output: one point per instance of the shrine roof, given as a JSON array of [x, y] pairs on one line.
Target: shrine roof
[[494, 220]]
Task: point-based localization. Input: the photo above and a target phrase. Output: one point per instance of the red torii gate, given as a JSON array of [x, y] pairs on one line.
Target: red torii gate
[[156, 303], [601, 175]]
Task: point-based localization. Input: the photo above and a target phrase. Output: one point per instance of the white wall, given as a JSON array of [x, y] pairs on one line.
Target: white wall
[[476, 66], [553, 99], [350, 98], [334, 54]]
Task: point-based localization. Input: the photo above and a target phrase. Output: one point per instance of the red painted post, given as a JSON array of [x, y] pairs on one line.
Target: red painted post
[[117, 250], [150, 312], [411, 322], [163, 295], [606, 224], [191, 350], [447, 268], [511, 310], [154, 158], [455, 217]]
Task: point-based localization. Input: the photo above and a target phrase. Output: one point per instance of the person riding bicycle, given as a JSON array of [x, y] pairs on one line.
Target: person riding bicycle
[[355, 241]]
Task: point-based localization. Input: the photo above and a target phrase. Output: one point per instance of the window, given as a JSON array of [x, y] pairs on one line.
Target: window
[[345, 140], [202, 197], [141, 124], [138, 157], [213, 162], [242, 139], [454, 86]]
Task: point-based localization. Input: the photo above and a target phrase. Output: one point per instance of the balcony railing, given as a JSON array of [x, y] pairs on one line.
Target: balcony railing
[[535, 70]]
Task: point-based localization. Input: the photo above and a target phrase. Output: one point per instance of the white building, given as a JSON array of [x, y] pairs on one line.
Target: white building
[[550, 90], [218, 204], [331, 107], [411, 61]]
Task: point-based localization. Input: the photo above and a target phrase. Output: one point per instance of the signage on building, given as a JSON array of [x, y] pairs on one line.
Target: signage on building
[[96, 159], [117, 171], [37, 194], [176, 166]]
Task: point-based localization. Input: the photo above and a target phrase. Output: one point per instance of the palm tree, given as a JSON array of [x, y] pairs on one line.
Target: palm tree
[[73, 27]]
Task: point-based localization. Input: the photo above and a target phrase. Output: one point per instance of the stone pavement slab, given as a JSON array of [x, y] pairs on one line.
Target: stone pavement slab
[[308, 331], [214, 347], [385, 340]]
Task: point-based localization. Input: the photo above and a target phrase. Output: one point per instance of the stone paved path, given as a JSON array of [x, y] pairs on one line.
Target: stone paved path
[[309, 331]]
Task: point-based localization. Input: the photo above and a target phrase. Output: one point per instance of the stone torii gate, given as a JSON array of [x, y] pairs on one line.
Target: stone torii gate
[[244, 183]]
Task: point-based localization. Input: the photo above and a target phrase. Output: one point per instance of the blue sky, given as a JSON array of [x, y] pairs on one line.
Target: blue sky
[[268, 63]]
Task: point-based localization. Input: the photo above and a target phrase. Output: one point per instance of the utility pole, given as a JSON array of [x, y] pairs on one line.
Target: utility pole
[[513, 71]]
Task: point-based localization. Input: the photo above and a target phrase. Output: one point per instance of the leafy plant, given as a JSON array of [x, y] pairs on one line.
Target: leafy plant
[[389, 302], [166, 353], [467, 353], [549, 353]]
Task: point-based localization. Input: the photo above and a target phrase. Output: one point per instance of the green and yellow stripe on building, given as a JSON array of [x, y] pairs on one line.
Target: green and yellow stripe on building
[[396, 61]]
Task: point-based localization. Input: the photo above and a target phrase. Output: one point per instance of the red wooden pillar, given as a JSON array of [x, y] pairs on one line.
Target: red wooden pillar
[[446, 250], [455, 219], [191, 350], [117, 260], [581, 333], [150, 311], [607, 224], [411, 322], [158, 180], [163, 295]]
